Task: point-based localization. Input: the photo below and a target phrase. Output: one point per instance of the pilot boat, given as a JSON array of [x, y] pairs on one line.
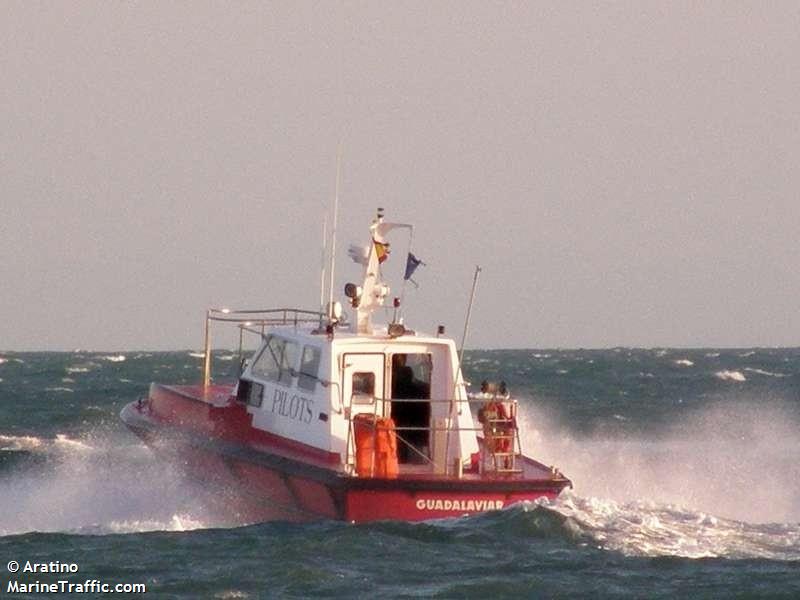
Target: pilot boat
[[357, 421]]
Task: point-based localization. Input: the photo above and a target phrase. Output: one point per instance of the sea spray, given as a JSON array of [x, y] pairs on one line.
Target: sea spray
[[104, 483], [736, 459]]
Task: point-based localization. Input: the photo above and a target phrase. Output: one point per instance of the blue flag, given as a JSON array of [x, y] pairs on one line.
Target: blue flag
[[412, 262]]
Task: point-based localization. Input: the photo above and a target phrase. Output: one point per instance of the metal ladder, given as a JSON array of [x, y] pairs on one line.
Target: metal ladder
[[501, 441]]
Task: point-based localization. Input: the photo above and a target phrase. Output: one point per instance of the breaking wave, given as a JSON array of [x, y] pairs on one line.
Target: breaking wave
[[765, 373], [99, 484], [730, 376], [19, 443], [640, 528], [735, 460], [646, 528], [113, 358]]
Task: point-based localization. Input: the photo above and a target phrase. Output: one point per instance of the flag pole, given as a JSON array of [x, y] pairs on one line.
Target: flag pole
[[403, 286]]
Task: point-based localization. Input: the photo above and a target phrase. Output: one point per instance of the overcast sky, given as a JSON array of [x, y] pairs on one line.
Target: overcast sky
[[625, 174]]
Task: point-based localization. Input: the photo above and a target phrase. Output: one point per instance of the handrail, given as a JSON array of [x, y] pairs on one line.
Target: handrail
[[246, 319]]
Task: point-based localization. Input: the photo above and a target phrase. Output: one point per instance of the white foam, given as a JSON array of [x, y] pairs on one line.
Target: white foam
[[683, 362], [99, 486], [197, 354], [59, 389], [3, 360], [62, 441], [177, 522], [231, 595], [113, 358], [732, 459], [766, 373], [77, 369], [19, 442], [645, 528], [730, 376]]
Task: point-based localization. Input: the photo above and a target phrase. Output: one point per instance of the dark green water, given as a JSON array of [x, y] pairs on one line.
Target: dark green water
[[685, 464]]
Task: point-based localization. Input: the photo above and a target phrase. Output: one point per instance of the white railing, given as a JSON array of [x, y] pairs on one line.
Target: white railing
[[253, 321], [499, 451]]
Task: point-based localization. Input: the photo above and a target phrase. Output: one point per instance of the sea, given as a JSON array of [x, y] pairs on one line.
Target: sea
[[685, 465]]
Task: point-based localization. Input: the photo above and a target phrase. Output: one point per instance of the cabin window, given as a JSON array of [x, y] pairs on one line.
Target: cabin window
[[363, 388], [276, 362], [256, 394], [309, 368], [411, 376]]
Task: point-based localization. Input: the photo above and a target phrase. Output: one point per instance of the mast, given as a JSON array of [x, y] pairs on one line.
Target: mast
[[322, 268], [469, 313], [333, 233]]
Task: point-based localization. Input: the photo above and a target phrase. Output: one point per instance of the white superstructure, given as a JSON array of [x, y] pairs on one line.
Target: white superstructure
[[307, 382]]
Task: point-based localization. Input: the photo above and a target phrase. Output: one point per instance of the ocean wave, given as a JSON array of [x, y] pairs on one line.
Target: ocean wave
[[59, 389], [113, 358], [634, 529], [178, 522], [63, 441], [197, 354], [727, 375], [231, 595], [763, 372], [683, 362], [99, 485], [78, 369], [19, 443], [652, 529], [60, 444]]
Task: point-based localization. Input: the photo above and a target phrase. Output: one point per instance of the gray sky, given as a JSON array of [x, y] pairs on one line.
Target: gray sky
[[626, 174]]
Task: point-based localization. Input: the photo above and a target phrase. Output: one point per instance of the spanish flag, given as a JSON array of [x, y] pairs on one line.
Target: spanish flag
[[382, 250]]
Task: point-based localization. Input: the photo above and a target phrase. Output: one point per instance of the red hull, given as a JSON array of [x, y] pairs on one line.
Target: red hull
[[264, 477]]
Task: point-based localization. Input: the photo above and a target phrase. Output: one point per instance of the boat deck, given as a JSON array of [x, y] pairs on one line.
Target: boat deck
[[526, 469], [219, 401]]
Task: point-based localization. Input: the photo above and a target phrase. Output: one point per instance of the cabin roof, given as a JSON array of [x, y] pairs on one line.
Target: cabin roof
[[308, 334]]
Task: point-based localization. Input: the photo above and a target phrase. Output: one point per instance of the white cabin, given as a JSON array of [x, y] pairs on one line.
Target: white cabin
[[305, 387]]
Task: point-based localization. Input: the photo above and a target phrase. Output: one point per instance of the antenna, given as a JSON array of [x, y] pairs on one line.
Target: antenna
[[469, 312], [333, 233], [322, 268]]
